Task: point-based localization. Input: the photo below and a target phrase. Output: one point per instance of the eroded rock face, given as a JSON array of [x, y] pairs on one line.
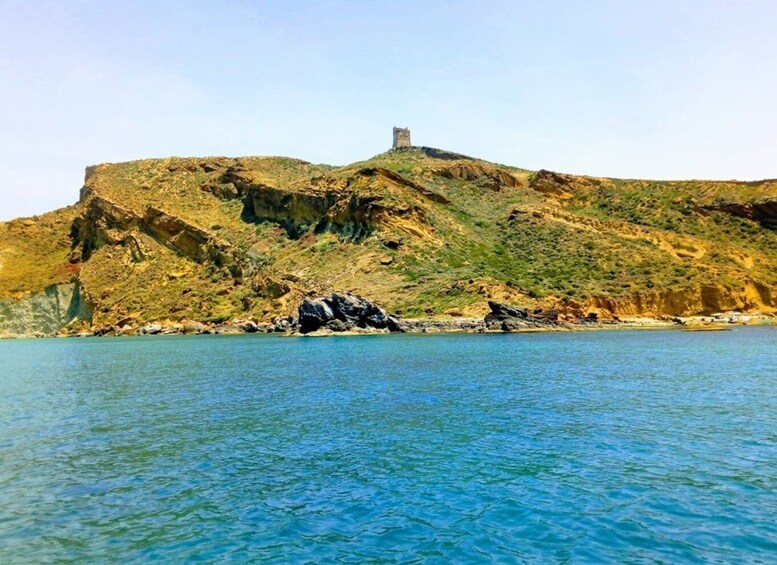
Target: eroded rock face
[[107, 223], [341, 311], [343, 208], [690, 301], [44, 313], [484, 175], [763, 211], [559, 185]]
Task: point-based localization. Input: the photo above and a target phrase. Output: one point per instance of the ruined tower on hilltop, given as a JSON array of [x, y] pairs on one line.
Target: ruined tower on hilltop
[[401, 138]]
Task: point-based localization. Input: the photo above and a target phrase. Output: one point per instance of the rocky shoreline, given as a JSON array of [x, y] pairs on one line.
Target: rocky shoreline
[[347, 314]]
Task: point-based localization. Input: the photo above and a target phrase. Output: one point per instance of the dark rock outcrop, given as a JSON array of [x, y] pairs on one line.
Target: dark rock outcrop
[[507, 318], [348, 309], [500, 312], [763, 211]]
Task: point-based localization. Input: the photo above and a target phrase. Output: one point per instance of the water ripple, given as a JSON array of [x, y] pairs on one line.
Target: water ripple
[[591, 447]]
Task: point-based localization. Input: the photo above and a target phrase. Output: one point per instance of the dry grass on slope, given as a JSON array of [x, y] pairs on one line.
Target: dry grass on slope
[[36, 253]]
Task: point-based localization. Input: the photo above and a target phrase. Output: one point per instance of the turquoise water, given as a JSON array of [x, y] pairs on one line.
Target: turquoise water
[[587, 447]]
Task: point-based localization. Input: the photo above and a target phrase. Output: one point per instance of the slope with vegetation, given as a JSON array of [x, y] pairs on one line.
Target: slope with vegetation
[[421, 231]]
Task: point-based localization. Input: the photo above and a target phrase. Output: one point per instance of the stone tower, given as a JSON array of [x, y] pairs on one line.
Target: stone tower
[[401, 138]]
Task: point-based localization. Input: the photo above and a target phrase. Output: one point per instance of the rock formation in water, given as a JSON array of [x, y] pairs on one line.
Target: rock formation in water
[[342, 312]]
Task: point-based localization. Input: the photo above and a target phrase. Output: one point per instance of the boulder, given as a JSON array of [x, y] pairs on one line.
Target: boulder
[[314, 314], [283, 325], [352, 310], [192, 327], [511, 318], [394, 325], [247, 326], [501, 313], [150, 329], [358, 311]]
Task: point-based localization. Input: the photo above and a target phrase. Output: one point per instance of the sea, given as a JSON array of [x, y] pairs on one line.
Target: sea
[[629, 446]]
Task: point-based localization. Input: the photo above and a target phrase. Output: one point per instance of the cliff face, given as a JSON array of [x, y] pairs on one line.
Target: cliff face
[[423, 232], [44, 313]]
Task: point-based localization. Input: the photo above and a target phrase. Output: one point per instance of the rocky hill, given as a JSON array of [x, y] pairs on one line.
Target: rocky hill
[[420, 231]]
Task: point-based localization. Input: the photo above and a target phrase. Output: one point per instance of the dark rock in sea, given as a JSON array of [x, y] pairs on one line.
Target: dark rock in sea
[[314, 314], [504, 311], [358, 311], [352, 310], [506, 318], [501, 313], [394, 325]]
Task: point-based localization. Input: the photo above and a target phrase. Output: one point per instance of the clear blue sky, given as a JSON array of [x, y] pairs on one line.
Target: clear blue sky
[[657, 89]]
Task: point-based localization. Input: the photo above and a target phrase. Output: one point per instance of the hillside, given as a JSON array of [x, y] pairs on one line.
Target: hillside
[[420, 231]]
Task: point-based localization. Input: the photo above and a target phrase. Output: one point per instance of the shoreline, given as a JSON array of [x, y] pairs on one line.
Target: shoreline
[[461, 325]]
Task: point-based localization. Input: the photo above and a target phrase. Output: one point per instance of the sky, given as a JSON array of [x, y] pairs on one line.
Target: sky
[[637, 89]]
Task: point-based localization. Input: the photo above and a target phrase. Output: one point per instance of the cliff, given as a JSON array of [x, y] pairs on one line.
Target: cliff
[[420, 231]]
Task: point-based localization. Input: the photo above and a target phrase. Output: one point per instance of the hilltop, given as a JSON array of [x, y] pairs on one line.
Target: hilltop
[[420, 231]]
